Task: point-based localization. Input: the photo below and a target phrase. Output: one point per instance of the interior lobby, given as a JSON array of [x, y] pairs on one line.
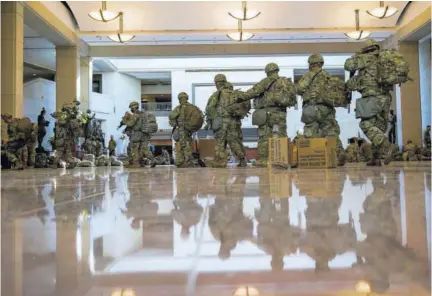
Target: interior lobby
[[352, 230]]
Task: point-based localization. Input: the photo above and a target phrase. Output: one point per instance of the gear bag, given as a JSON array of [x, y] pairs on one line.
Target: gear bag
[[150, 123], [193, 118], [25, 126], [367, 107], [392, 67], [284, 95], [240, 110], [309, 114], [259, 117], [334, 92]]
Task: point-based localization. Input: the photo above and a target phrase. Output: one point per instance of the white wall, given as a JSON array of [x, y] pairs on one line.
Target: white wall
[[118, 90], [155, 89], [40, 93]]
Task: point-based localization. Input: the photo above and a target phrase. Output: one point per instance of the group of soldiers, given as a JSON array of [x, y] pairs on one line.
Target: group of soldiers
[[321, 94]]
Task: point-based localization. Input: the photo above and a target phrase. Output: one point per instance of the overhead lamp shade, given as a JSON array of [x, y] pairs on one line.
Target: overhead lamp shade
[[121, 38], [244, 16], [358, 35], [382, 12], [103, 15], [240, 36]]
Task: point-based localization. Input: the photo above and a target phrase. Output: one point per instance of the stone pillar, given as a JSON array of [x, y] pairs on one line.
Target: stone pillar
[[409, 97], [12, 56], [67, 75], [86, 82]]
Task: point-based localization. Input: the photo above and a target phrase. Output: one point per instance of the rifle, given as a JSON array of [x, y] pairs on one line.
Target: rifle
[[349, 98]]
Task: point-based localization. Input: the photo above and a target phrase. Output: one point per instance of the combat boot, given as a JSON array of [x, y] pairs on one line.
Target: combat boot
[[242, 163]]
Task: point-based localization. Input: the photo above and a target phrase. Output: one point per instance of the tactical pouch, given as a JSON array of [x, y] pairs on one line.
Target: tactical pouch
[[216, 124], [176, 135], [367, 107], [309, 114], [259, 117]]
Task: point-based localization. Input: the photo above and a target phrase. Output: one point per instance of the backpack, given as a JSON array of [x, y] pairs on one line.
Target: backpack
[[25, 126], [240, 110], [193, 118], [287, 93], [334, 92], [150, 123], [392, 67]]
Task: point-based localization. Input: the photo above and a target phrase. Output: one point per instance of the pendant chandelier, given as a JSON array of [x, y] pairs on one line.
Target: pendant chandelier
[[104, 15], [358, 34], [244, 14], [382, 11], [240, 35], [120, 37]]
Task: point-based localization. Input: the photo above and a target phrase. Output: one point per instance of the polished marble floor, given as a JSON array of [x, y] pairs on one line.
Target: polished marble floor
[[216, 232]]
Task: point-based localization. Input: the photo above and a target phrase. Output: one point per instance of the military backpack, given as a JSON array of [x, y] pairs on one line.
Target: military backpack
[[193, 118], [285, 95], [392, 67], [150, 123], [239, 110], [334, 92]]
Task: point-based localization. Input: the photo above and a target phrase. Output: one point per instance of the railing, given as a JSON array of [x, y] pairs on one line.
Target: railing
[[156, 106]]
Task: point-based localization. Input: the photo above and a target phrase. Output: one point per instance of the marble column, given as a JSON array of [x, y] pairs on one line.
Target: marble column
[[67, 75], [409, 101], [12, 57], [86, 82]]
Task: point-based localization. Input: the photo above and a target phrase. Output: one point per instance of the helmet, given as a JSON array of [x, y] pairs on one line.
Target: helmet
[[134, 103], [229, 85], [316, 58], [220, 78], [183, 95], [271, 67], [370, 44]]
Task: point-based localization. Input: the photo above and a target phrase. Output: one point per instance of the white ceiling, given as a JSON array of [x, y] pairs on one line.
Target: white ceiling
[[206, 22]]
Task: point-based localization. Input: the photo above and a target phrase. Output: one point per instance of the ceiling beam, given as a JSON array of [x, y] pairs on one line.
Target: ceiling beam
[[220, 31], [222, 49]]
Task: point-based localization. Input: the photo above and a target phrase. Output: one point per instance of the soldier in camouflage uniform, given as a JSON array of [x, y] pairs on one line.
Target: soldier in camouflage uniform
[[269, 96], [164, 158], [323, 123], [352, 151], [365, 150], [29, 153], [226, 127], [112, 146], [181, 135], [137, 130], [15, 145], [366, 82]]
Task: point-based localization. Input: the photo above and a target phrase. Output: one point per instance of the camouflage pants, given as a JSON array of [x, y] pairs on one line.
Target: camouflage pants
[[139, 151], [375, 128], [15, 154], [64, 153], [184, 155], [230, 134], [30, 154], [327, 128], [265, 132]]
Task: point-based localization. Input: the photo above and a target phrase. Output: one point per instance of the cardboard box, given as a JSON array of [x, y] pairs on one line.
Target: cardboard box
[[206, 146], [317, 153], [279, 152]]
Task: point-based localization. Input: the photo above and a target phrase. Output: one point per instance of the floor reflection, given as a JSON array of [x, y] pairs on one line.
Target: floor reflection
[[205, 232]]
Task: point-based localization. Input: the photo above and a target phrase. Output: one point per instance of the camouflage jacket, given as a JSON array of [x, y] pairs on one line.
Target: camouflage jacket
[[112, 145], [366, 80], [13, 133], [219, 103], [310, 85], [270, 93], [176, 117], [410, 148]]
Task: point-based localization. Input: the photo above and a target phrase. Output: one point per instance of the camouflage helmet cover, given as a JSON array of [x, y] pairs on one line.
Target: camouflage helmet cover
[[183, 95], [369, 44], [220, 78], [316, 58], [134, 103], [270, 67]]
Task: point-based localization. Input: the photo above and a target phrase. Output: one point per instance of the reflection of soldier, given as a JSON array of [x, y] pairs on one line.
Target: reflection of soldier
[[325, 238], [378, 95], [225, 125], [139, 127], [42, 125], [187, 212], [227, 222], [275, 234], [381, 251], [181, 134], [319, 118]]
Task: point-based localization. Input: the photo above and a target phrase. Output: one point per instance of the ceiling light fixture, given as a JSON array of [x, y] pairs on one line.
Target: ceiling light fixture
[[240, 35], [382, 11], [244, 14], [358, 34], [104, 15], [120, 37]]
